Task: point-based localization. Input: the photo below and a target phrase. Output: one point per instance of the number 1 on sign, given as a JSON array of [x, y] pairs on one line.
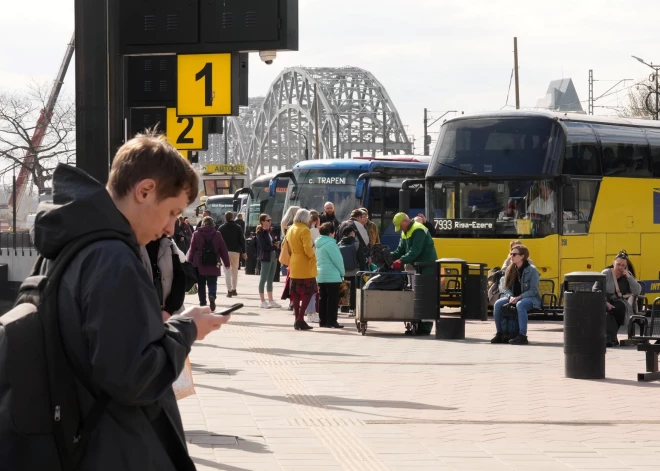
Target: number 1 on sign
[[207, 74]]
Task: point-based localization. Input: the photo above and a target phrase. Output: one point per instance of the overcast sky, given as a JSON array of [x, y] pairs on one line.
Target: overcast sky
[[439, 54]]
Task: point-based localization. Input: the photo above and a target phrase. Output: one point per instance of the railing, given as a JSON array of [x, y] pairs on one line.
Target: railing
[[19, 243]]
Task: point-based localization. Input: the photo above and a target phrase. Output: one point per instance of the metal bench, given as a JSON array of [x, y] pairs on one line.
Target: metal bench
[[641, 331]]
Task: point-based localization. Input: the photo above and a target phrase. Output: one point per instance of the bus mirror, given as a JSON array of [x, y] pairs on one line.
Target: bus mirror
[[236, 206], [359, 189], [404, 200], [272, 188], [568, 197]]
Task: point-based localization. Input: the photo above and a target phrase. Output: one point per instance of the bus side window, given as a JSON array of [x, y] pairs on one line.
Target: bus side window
[[653, 136], [581, 157], [625, 151], [585, 194]]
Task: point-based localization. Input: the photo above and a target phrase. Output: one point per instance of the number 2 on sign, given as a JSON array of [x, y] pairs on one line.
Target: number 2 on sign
[[207, 74], [183, 137]]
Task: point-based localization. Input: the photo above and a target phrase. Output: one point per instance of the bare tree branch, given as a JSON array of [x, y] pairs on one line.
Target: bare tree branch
[[19, 118]]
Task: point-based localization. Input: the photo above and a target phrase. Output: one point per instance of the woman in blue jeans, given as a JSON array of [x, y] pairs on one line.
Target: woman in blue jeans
[[266, 251], [520, 286]]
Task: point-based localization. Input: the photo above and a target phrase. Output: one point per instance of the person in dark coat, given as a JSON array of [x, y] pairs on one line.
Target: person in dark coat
[[208, 273], [328, 215], [235, 240], [110, 320], [241, 222], [180, 235]]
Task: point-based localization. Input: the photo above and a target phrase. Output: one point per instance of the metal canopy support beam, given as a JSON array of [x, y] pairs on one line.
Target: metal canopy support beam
[[92, 110]]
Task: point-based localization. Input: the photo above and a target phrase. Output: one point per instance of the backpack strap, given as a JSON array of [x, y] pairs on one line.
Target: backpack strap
[[70, 449]]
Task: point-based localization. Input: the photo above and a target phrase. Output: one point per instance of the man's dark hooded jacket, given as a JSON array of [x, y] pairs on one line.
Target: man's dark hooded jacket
[[111, 327]]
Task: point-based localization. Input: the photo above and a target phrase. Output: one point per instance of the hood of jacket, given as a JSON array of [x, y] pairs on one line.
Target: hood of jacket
[[324, 240], [349, 240], [81, 205], [207, 231]]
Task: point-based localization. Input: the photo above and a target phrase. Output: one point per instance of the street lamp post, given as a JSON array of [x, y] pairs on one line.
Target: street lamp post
[[306, 146], [656, 68]]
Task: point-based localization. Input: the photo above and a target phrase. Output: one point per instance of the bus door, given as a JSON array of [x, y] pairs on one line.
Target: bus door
[[579, 248]]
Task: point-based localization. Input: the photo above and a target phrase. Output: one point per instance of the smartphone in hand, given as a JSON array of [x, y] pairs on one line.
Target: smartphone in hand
[[229, 310]]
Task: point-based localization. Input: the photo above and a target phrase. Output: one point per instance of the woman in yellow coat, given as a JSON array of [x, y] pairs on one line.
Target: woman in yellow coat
[[302, 268]]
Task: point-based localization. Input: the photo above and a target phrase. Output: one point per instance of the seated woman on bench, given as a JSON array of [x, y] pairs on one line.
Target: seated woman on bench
[[520, 286], [621, 290]]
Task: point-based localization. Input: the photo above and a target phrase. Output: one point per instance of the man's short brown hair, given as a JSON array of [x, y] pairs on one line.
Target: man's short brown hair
[[356, 213], [229, 216], [149, 155]]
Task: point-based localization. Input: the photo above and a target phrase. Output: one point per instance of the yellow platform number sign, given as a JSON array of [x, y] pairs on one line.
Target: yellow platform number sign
[[185, 133], [204, 84]]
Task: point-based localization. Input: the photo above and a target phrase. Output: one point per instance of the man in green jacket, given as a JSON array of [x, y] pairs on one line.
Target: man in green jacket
[[416, 245]]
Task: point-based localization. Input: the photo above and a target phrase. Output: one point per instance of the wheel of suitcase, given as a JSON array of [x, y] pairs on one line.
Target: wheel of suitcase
[[363, 328]]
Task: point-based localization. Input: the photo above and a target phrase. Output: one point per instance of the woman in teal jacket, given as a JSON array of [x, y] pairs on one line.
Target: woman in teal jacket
[[330, 267]]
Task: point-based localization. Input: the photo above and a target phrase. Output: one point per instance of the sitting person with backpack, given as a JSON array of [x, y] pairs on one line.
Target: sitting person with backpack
[[520, 286], [355, 259], [207, 248]]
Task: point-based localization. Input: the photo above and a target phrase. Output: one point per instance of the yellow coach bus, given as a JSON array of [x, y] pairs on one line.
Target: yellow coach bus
[[575, 189]]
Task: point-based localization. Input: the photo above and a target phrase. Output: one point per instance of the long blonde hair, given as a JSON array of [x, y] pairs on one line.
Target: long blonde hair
[[287, 220], [512, 269]]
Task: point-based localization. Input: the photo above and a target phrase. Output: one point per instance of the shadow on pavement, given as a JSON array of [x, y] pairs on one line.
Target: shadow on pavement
[[281, 352], [627, 382], [243, 444], [333, 402], [220, 466]]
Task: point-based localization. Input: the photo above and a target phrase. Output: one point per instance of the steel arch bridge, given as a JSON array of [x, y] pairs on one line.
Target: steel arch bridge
[[239, 135], [350, 108]]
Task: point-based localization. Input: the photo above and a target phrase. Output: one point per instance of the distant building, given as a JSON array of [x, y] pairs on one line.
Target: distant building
[[561, 96]]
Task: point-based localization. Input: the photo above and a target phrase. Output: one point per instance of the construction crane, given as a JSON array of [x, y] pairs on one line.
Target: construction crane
[[40, 129]]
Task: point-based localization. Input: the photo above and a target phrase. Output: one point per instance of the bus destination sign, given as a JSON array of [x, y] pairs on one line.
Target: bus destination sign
[[461, 225]]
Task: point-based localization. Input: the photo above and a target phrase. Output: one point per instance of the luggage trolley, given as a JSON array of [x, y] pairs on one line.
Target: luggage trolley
[[392, 306]]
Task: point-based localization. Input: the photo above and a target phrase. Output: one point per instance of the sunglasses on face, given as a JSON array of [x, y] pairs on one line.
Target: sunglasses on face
[[513, 254], [266, 220]]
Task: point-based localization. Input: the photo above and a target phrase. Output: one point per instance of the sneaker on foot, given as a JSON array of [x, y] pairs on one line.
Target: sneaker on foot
[[497, 339], [234, 293], [264, 305], [274, 304], [520, 340]]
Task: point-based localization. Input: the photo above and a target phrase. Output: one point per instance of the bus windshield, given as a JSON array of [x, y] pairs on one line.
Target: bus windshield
[[498, 146], [219, 208], [491, 209], [316, 186], [263, 203]]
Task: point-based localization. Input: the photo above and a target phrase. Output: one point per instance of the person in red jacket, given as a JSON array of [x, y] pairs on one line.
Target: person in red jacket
[[208, 261]]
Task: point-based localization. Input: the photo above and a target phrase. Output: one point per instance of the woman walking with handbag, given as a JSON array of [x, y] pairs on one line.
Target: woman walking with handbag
[[266, 253], [302, 267]]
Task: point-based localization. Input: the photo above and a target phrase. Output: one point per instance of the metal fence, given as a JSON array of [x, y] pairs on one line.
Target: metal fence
[[19, 243]]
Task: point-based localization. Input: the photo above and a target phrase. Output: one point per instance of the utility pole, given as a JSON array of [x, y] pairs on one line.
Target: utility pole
[[515, 67], [316, 121], [591, 92], [427, 141], [226, 129]]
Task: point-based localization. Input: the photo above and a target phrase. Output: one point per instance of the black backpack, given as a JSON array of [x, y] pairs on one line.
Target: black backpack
[[40, 421], [349, 254], [209, 255]]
